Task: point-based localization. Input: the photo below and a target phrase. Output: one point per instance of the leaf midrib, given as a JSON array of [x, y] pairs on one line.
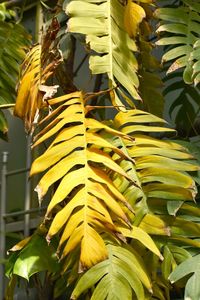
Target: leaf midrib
[[110, 40]]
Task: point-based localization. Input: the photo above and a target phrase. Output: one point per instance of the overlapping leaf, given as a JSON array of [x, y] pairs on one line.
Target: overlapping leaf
[[158, 163], [85, 190], [182, 27], [102, 23], [159, 172]]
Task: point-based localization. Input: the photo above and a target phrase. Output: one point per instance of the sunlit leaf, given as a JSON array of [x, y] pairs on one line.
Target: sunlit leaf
[[102, 23], [76, 159]]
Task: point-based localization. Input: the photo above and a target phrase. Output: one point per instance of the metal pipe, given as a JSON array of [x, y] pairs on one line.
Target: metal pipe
[[24, 212], [27, 204], [2, 220], [19, 171]]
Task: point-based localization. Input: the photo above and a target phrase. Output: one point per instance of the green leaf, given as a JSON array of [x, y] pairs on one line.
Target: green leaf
[[10, 264], [3, 123], [14, 41], [189, 266], [174, 206], [192, 290], [102, 23], [114, 277], [35, 257], [181, 28], [173, 255]]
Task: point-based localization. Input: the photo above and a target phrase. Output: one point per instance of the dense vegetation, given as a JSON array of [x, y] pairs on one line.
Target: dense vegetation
[[122, 221]]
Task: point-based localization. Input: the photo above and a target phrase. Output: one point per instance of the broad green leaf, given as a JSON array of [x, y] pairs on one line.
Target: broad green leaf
[[167, 263], [10, 264], [182, 227], [192, 290], [173, 207], [158, 168], [187, 267], [150, 87], [35, 257]]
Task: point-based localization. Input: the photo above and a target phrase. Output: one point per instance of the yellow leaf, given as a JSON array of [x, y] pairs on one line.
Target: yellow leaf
[[29, 98], [154, 225], [93, 248], [86, 203], [133, 16], [20, 245], [35, 70], [140, 235]]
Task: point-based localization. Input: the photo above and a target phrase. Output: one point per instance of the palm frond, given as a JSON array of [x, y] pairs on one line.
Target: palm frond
[[158, 180], [112, 48], [38, 66], [184, 109], [117, 277], [85, 191], [14, 41], [182, 27]]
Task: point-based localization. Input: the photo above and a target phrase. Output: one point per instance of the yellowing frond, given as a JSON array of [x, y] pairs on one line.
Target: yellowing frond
[[35, 71], [77, 160]]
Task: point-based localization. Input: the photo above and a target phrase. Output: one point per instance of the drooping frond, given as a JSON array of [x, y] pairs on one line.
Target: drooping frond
[[102, 22], [89, 200], [182, 27], [38, 66]]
